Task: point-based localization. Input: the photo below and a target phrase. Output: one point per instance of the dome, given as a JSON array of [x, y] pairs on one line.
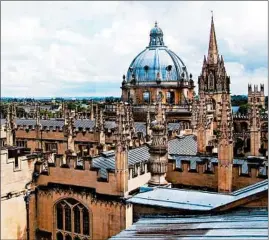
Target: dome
[[157, 62]]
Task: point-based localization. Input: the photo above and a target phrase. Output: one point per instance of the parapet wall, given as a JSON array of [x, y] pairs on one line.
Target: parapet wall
[[204, 177]]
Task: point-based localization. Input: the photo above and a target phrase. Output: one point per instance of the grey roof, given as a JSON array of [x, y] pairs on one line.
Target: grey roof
[[180, 146], [183, 146], [85, 124], [140, 154], [135, 156], [193, 159], [239, 224], [193, 199]]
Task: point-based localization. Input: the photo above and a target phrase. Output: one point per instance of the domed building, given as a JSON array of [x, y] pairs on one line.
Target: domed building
[[158, 71]]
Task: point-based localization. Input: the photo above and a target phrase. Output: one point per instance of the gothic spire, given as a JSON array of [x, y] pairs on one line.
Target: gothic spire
[[212, 57]]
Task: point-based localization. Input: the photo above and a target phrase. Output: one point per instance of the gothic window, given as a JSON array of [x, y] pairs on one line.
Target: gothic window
[[211, 81], [59, 216], [72, 220], [86, 229], [77, 219], [146, 97], [67, 218], [59, 236], [68, 237]]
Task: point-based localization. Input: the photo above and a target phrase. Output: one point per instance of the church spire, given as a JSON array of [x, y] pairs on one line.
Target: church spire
[[212, 57]]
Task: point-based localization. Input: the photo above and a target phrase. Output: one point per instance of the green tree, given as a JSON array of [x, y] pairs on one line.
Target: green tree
[[243, 109]]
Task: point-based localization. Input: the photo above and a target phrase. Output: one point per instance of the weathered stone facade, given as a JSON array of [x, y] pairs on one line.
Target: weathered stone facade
[[16, 172]]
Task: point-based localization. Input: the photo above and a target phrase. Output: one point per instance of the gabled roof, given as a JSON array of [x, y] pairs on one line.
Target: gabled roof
[[194, 200]]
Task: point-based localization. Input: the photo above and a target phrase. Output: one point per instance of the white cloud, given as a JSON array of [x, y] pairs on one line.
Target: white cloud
[[52, 48]]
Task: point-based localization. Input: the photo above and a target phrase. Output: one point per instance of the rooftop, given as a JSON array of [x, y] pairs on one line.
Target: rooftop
[[194, 200], [237, 224]]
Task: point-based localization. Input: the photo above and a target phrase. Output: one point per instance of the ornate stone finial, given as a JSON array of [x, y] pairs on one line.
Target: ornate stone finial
[[10, 124], [226, 126], [37, 116], [121, 131], [92, 111], [158, 149], [69, 131], [96, 118]]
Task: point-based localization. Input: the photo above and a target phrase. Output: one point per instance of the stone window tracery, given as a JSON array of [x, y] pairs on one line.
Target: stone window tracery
[[211, 80], [72, 220]]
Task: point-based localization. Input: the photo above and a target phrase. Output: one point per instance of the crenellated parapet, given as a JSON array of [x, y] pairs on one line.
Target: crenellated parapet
[[202, 172]]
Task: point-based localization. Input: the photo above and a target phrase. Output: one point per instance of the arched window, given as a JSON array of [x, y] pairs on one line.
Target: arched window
[[211, 80], [59, 236], [72, 220], [60, 216], [68, 237], [146, 97], [77, 219]]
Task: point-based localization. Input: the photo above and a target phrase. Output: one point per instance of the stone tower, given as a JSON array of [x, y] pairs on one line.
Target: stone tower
[[121, 154], [11, 125], [213, 78], [158, 149], [255, 128], [258, 95], [225, 148]]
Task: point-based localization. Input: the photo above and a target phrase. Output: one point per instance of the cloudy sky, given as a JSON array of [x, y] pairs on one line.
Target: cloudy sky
[[83, 48]]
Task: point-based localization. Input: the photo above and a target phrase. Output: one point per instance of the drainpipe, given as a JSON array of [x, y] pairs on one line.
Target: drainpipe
[[27, 200]]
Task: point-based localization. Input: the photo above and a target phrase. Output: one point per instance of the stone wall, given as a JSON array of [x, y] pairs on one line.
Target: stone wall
[[107, 217], [13, 181]]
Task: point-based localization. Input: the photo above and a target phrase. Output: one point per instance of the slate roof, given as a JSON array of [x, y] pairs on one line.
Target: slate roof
[[183, 146], [239, 224], [85, 124], [140, 154], [135, 156], [192, 199]]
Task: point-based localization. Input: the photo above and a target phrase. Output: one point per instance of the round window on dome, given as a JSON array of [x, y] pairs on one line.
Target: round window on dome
[[169, 68], [146, 68]]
